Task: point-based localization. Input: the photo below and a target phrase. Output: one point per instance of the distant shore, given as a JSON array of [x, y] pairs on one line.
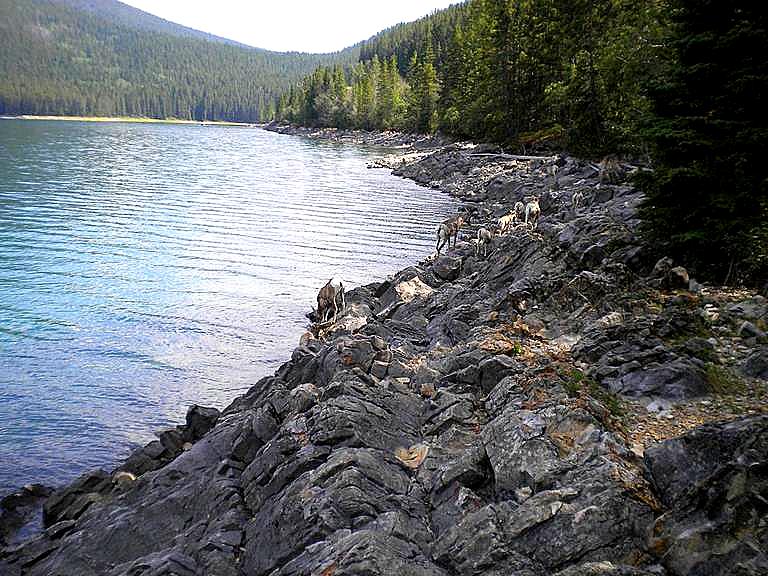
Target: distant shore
[[125, 119]]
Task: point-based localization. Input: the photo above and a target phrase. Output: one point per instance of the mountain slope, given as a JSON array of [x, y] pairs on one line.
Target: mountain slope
[[103, 58], [126, 15]]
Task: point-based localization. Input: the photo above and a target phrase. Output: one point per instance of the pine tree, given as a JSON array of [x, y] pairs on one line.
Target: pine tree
[[424, 90], [707, 201]]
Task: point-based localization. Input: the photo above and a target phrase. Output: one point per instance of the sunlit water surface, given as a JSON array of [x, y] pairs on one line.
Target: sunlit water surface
[[147, 267]]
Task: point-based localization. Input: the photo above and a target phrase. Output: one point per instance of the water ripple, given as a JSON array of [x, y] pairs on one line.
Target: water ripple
[[147, 267]]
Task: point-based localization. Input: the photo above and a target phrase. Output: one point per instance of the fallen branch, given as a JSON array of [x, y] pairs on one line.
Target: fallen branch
[[515, 156]]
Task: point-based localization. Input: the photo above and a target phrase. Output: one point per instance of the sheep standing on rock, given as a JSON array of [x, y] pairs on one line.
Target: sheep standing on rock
[[518, 211], [577, 199], [506, 222], [123, 480], [327, 300], [552, 169], [532, 212], [484, 238], [610, 170], [450, 228]]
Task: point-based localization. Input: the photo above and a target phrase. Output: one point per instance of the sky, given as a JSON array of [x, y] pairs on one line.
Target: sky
[[292, 25]]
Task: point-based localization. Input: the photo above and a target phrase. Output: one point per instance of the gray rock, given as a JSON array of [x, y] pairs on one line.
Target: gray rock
[[749, 330], [751, 309], [606, 569], [356, 352], [713, 480], [70, 502], [379, 369], [200, 420], [477, 546], [677, 465], [493, 370], [21, 508], [756, 364], [519, 452], [167, 563], [398, 369], [679, 378], [447, 267]]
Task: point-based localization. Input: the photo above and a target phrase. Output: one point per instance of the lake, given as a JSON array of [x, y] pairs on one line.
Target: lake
[[147, 267]]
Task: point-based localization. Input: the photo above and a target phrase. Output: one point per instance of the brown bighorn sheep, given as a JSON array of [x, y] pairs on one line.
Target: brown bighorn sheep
[[610, 170], [450, 228], [484, 238], [577, 199], [506, 222], [532, 212], [552, 169], [519, 211], [326, 300]]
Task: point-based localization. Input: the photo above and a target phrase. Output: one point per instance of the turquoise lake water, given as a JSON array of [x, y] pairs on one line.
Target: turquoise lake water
[[147, 267]]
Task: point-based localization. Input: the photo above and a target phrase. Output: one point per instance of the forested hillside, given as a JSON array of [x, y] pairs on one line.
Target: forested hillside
[[103, 58], [679, 83], [516, 72], [120, 13]]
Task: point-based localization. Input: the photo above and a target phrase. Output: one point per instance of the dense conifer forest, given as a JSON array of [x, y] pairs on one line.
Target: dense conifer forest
[[517, 72], [678, 85], [103, 58]]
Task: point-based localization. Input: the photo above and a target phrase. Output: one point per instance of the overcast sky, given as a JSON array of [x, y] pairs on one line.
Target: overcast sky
[[292, 25]]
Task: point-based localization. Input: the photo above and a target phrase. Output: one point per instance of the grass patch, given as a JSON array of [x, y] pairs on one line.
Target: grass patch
[[576, 384], [723, 381], [572, 383]]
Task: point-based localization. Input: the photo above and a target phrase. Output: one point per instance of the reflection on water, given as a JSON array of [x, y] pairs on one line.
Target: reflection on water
[[144, 268]]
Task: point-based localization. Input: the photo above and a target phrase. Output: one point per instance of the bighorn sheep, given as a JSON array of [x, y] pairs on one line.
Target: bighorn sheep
[[327, 297], [515, 215], [577, 199], [610, 170], [123, 479], [484, 238], [519, 211], [506, 222], [552, 169], [450, 228], [532, 212]]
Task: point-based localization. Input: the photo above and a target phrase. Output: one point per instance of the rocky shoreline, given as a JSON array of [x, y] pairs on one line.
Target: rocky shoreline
[[565, 405]]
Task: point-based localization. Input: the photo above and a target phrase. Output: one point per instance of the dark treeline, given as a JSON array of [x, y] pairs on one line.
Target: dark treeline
[[679, 83], [514, 72], [708, 194], [56, 59]]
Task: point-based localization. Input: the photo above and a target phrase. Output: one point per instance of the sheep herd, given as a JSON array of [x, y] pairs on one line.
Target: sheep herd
[[609, 170], [331, 300]]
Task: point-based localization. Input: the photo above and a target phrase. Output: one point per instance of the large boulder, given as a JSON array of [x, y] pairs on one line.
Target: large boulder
[[19, 509], [447, 267], [406, 287], [70, 502], [200, 419], [714, 481], [756, 364], [677, 379], [605, 569]]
